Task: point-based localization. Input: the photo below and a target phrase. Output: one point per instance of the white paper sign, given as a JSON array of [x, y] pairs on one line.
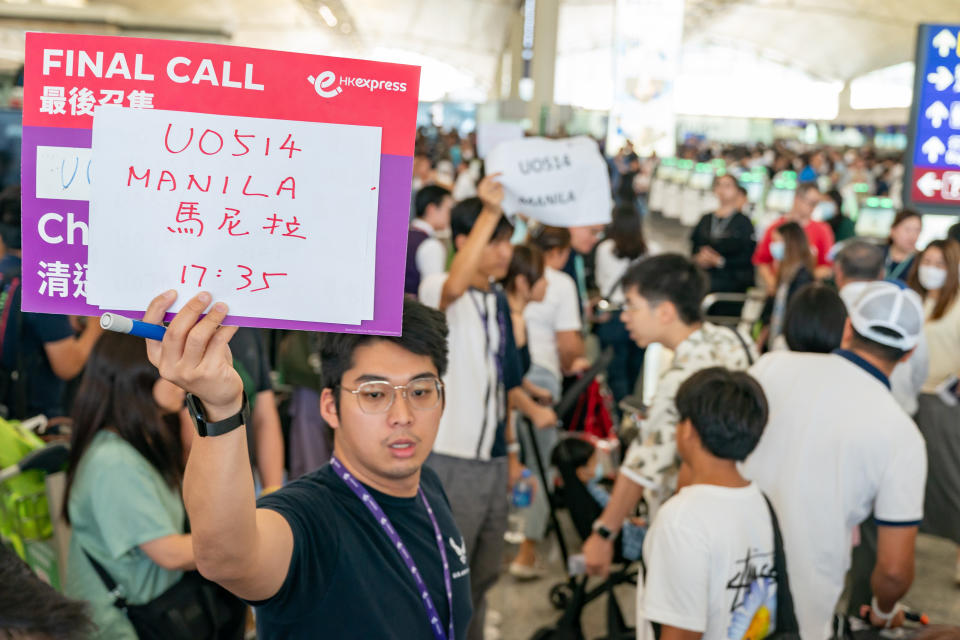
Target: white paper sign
[[490, 134], [276, 218], [562, 183], [63, 173]]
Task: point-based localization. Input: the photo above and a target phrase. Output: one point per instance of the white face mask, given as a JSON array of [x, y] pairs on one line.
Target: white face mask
[[825, 211], [777, 250], [932, 278]]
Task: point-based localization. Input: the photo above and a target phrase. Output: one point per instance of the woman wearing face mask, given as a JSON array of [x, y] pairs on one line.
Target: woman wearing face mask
[[902, 244], [795, 263], [830, 210], [935, 277]]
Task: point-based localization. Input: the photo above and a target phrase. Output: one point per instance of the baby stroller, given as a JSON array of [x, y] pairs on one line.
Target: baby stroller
[[31, 493], [572, 595]]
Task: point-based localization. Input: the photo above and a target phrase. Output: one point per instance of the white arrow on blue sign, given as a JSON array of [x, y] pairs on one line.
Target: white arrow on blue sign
[[941, 78], [933, 148], [937, 113], [944, 42]]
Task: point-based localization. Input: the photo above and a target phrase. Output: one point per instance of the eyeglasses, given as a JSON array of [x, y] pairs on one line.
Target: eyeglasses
[[378, 396], [606, 306]]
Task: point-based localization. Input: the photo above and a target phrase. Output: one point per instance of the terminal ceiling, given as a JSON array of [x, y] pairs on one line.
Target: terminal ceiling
[[829, 39]]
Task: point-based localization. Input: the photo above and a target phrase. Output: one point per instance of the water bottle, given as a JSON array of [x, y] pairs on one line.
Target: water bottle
[[523, 490], [521, 498]]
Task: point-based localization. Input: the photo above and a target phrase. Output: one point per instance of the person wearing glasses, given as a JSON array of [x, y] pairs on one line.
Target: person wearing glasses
[[364, 547], [819, 235]]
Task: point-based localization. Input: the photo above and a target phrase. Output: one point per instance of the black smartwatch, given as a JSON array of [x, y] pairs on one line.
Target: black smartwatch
[[206, 428], [602, 530]]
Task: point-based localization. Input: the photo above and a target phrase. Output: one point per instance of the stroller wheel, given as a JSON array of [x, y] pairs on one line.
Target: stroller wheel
[[560, 595]]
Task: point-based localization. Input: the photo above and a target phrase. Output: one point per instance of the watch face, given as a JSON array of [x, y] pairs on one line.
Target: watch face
[[196, 413]]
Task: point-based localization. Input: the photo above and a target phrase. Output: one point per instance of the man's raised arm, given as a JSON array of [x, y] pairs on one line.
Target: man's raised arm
[[244, 549], [465, 263]]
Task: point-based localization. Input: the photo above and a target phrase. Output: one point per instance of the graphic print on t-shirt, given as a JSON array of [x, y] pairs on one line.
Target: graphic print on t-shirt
[[459, 549], [754, 603]]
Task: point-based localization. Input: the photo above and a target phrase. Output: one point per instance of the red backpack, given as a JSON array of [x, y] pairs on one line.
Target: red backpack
[[590, 415]]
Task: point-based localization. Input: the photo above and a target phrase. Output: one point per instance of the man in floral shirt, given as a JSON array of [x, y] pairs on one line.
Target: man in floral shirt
[[663, 306]]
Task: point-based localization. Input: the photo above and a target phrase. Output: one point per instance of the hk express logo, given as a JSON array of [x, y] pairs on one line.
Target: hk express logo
[[323, 82], [327, 85]]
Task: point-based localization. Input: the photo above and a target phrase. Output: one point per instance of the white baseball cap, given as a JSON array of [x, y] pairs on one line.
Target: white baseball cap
[[887, 312]]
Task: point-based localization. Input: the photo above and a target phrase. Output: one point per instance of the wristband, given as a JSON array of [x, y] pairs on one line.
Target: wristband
[[513, 447], [206, 428], [886, 617]]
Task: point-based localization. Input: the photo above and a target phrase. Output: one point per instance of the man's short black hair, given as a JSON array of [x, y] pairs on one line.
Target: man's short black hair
[[890, 355], [953, 233], [860, 260], [424, 333], [670, 277], [727, 408], [465, 214], [814, 319], [430, 194], [571, 454], [31, 608]]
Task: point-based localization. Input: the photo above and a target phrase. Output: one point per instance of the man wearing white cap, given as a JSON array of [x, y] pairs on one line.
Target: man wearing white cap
[[859, 263], [838, 446]]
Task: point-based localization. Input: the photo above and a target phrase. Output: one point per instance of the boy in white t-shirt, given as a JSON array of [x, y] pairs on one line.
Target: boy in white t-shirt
[[709, 554]]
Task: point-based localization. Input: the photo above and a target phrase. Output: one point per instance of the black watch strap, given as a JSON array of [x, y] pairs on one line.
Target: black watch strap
[[602, 530], [205, 428]]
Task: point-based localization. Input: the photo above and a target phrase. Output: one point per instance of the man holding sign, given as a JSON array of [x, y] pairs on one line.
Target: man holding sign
[[365, 547]]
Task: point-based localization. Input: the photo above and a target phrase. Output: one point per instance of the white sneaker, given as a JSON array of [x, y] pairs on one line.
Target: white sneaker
[[526, 572]]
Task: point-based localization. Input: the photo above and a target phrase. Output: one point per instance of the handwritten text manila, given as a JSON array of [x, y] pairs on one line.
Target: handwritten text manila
[[541, 165]]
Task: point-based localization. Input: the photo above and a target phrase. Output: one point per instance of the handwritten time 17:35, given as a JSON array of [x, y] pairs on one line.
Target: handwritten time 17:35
[[195, 273]]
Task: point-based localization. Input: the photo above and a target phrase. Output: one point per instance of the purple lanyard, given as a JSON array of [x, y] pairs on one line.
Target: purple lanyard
[[498, 355], [381, 517]]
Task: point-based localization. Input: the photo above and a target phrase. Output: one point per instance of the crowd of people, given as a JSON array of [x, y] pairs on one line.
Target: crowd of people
[[780, 456]]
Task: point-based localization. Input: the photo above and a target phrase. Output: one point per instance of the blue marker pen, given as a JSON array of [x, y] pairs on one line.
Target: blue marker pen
[[122, 324]]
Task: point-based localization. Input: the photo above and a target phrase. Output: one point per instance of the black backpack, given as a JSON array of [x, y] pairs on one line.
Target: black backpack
[[13, 379]]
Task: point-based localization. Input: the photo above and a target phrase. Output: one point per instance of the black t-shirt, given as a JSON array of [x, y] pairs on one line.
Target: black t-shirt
[[346, 579], [44, 389], [513, 369], [732, 238]]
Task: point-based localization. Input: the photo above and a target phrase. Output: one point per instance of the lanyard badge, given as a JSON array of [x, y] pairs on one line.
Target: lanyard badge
[[396, 542]]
